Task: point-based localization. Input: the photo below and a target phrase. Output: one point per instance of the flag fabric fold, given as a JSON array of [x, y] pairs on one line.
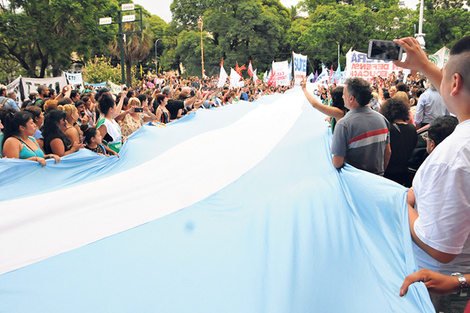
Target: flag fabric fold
[[211, 235]]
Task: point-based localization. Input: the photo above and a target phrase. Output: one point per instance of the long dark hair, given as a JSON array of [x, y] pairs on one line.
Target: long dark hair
[[13, 121], [51, 128], [337, 97], [105, 103]]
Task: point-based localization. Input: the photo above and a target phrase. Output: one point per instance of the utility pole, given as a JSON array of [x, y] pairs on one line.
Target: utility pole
[[200, 23], [128, 18], [420, 36]]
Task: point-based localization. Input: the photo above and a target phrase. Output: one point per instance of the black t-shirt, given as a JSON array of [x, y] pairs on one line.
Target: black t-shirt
[[403, 140], [173, 107], [47, 142]]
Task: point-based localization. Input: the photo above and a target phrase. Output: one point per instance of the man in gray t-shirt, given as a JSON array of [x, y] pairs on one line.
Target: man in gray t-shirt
[[361, 137]]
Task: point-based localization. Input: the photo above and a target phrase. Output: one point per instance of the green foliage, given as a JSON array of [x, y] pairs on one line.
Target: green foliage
[[36, 35], [350, 27], [238, 31], [157, 27], [100, 69], [374, 5], [448, 26], [39, 33], [433, 5]]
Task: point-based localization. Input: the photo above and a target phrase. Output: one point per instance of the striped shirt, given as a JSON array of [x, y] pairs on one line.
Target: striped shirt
[[360, 138]]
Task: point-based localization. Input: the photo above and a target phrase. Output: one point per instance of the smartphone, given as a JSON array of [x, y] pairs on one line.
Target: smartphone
[[138, 110], [384, 50], [82, 113]]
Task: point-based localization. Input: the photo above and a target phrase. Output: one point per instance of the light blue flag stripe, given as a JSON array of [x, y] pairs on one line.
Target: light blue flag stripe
[[154, 140], [290, 235]]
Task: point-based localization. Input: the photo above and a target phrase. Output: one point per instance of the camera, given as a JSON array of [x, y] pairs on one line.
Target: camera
[[138, 110], [82, 113], [384, 50]]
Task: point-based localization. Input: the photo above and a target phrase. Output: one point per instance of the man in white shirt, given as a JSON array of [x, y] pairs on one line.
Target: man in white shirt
[[440, 219]]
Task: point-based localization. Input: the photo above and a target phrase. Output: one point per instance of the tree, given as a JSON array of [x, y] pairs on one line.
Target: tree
[[136, 48], [331, 26], [445, 27], [39, 33], [245, 30], [374, 5], [157, 26], [100, 70], [433, 5], [186, 13], [349, 27], [294, 13]]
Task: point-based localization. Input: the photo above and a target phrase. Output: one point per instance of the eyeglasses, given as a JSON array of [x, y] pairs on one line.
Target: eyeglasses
[[425, 136]]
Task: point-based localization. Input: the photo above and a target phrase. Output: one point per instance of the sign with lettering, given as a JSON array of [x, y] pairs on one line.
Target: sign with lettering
[[300, 67]]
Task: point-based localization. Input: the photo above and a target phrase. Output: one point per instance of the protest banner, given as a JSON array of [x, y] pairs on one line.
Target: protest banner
[[31, 84], [281, 73], [74, 79], [99, 85], [16, 87], [323, 77], [300, 67], [440, 57], [358, 65]]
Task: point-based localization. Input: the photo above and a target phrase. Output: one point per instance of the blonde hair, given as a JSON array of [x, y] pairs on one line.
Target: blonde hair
[[134, 101], [401, 95], [69, 109]]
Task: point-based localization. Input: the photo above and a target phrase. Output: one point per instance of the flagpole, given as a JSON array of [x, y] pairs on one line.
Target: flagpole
[[338, 54]]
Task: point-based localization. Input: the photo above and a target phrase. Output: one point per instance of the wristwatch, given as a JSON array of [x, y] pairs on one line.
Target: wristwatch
[[463, 287]]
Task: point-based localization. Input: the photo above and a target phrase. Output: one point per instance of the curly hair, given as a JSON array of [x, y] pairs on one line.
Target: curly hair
[[395, 109]]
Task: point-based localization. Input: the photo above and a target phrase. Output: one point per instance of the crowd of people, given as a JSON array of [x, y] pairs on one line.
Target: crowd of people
[[376, 130], [376, 127], [49, 125]]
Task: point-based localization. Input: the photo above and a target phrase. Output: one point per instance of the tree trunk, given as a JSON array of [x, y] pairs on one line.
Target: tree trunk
[[128, 74], [44, 64], [56, 72]]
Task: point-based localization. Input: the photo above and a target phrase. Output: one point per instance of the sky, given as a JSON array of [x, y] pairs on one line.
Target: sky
[[162, 7]]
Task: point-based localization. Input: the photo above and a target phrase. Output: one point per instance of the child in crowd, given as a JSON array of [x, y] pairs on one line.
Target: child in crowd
[[93, 141]]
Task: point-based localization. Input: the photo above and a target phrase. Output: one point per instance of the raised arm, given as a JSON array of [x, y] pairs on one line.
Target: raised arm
[[330, 111], [416, 59]]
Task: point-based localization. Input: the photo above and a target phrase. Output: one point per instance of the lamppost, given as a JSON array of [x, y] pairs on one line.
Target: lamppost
[[200, 24], [420, 36], [156, 56]]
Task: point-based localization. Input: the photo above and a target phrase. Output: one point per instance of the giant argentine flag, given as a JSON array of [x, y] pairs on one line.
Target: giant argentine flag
[[236, 209]]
